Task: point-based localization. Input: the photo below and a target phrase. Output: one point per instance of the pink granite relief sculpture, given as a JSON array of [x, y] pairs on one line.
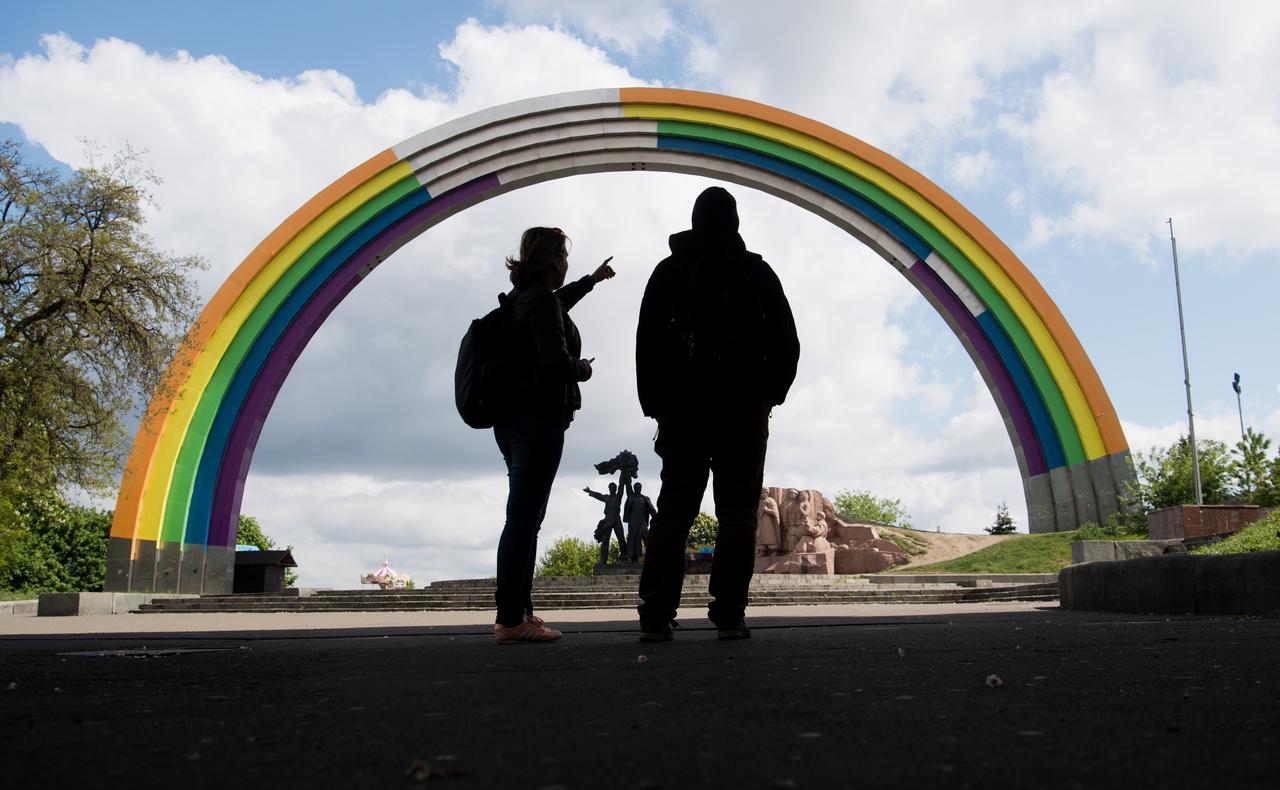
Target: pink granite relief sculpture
[[799, 532]]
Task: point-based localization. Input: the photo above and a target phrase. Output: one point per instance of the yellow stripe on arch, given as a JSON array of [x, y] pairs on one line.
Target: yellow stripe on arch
[[156, 487], [1073, 395], [124, 524], [1086, 375]]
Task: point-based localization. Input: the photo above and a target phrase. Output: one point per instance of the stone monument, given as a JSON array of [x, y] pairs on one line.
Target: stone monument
[[799, 532]]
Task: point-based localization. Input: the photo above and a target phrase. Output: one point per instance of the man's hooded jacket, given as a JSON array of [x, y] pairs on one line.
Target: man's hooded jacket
[[715, 327]]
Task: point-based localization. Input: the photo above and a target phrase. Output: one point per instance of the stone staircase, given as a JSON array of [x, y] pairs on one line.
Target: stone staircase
[[619, 592]]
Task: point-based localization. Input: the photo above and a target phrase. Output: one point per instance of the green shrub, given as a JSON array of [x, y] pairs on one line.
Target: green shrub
[[1121, 526], [866, 506], [1165, 478], [54, 546], [704, 531], [570, 556], [1261, 535], [1090, 530]]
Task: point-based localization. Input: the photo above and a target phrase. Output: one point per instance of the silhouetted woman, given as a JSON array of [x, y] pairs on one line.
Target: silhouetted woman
[[547, 351]]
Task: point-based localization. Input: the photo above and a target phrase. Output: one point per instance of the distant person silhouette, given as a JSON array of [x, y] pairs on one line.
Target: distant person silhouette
[[716, 350]]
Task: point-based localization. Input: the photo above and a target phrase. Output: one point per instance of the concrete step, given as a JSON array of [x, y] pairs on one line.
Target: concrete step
[[464, 595], [461, 598]]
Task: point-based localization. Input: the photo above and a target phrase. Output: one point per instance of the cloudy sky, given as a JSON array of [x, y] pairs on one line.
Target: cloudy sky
[[1073, 130]]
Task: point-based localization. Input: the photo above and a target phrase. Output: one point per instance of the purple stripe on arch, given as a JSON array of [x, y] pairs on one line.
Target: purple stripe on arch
[[262, 394], [1022, 425]]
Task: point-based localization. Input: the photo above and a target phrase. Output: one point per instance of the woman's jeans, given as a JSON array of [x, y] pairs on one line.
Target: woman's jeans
[[531, 448]]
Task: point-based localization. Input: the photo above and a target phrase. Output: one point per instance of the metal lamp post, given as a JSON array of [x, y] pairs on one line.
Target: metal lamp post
[[1186, 370]]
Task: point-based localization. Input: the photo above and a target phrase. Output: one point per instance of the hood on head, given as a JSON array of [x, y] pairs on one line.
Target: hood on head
[[715, 211]]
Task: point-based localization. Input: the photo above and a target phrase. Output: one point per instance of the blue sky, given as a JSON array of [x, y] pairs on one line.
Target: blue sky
[[1072, 132], [271, 39]]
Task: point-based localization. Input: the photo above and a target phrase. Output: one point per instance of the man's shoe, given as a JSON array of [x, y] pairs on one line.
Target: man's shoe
[[658, 633], [739, 631]]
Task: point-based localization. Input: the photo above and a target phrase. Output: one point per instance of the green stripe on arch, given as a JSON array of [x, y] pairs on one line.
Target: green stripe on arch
[[193, 444], [1063, 424]]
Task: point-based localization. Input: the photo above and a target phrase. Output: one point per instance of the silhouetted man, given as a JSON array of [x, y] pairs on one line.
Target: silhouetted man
[[716, 350]]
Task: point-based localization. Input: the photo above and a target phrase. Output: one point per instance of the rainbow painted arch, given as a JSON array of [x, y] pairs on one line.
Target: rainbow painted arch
[[179, 501]]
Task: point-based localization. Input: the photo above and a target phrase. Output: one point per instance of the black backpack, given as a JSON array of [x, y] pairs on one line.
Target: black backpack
[[481, 381]]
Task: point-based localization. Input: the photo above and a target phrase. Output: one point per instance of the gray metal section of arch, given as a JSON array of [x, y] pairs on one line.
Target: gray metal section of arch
[[575, 134], [1055, 501]]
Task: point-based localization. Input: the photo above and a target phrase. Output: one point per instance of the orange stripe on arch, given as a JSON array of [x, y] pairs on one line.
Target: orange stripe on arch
[[124, 523], [1086, 375]]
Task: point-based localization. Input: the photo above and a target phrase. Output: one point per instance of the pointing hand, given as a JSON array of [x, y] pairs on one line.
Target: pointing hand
[[603, 272]]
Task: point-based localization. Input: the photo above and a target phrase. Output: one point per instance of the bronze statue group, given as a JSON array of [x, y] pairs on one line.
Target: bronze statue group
[[716, 350], [636, 511]]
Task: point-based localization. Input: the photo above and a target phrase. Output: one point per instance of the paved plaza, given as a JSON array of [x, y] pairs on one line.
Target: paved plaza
[[983, 695]]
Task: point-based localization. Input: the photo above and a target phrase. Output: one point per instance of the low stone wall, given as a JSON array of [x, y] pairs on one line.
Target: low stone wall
[[70, 604], [18, 607], [1202, 521], [1175, 584], [1103, 550]]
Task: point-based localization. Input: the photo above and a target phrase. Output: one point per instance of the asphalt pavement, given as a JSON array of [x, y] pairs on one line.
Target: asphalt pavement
[[993, 695]]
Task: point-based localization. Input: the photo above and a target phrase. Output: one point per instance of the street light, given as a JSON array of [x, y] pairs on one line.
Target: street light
[[1235, 385]]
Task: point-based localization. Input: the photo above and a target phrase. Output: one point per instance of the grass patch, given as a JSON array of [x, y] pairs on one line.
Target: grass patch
[[909, 540], [18, 595], [1121, 526], [1091, 531], [1046, 553], [1261, 535]]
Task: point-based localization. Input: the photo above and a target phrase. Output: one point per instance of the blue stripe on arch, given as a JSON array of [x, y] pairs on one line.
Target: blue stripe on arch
[[796, 173], [1049, 440], [201, 507]]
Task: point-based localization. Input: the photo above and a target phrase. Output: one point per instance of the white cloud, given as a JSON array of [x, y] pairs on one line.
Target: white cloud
[[237, 152], [499, 65], [1136, 116], [1143, 438], [343, 524], [628, 26], [1216, 424], [1176, 116], [972, 170], [1271, 423], [907, 78]]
